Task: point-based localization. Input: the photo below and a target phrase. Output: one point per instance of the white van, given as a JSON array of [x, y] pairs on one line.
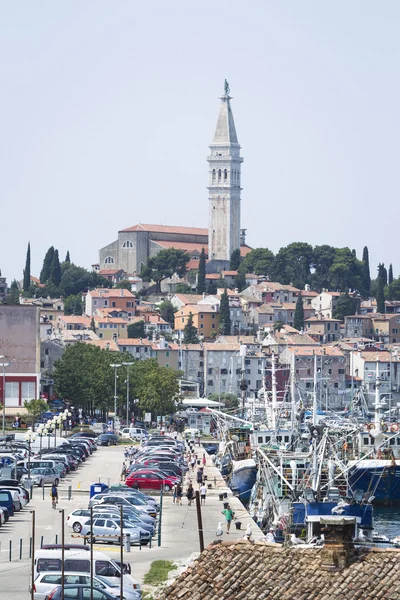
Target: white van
[[79, 561]]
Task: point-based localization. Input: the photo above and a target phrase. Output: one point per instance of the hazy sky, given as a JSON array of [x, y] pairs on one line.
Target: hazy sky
[[107, 110]]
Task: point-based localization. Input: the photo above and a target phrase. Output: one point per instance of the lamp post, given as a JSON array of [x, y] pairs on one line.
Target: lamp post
[[115, 367], [45, 432], [4, 365], [30, 437], [40, 431], [50, 425], [127, 365]]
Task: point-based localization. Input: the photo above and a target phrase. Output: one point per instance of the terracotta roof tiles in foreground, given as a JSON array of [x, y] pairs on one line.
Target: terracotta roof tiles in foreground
[[262, 571]]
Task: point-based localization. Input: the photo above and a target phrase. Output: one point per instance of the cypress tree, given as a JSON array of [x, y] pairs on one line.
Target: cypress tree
[[27, 270], [366, 277], [190, 332], [224, 315], [299, 314], [67, 258], [380, 296], [55, 270], [235, 260], [201, 276], [382, 273], [390, 275], [48, 259]]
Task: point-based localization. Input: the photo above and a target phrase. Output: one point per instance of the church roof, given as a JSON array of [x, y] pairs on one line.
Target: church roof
[[188, 246], [225, 132], [167, 229]]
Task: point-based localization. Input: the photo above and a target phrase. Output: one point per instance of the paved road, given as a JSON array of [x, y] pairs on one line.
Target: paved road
[[179, 539]]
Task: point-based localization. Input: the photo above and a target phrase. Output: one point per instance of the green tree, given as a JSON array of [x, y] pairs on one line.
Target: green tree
[[299, 314], [346, 271], [224, 315], [156, 387], [73, 305], [235, 260], [136, 330], [201, 276], [190, 332], [76, 279], [293, 264], [164, 264], [125, 284], [382, 273], [323, 258], [35, 408], [240, 280], [13, 294], [259, 261], [390, 274], [380, 296], [183, 288], [278, 325], [67, 258], [365, 276], [167, 312], [92, 325], [27, 270], [393, 290], [55, 270], [345, 306], [48, 259]]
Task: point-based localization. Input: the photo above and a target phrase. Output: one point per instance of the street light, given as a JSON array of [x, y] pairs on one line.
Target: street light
[[40, 432], [4, 365], [127, 365], [30, 437], [115, 367]]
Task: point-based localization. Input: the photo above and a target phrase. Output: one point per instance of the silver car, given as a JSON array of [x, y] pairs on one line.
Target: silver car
[[47, 581], [44, 475], [108, 530]]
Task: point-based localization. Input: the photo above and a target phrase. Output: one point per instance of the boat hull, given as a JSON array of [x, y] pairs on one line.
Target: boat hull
[[242, 482], [380, 478]]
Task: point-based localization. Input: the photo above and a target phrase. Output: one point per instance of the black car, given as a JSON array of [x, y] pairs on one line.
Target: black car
[[107, 439]]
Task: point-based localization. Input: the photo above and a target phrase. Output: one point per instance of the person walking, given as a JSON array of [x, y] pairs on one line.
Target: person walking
[[179, 494], [123, 472], [190, 494], [229, 516], [54, 495], [204, 460], [203, 493], [199, 476], [174, 494], [193, 461]]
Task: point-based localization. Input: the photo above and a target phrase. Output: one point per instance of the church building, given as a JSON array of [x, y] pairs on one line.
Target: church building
[[136, 244]]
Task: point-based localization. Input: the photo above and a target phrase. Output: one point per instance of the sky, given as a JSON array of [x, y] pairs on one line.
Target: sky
[[107, 110]]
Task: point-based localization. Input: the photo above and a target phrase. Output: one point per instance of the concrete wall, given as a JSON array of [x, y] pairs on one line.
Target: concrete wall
[[20, 337]]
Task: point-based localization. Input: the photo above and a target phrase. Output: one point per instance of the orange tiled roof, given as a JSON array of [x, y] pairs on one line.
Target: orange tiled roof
[[115, 320], [264, 571], [75, 319], [104, 344], [134, 342], [188, 246], [111, 293], [110, 271], [177, 229], [318, 350], [189, 298]]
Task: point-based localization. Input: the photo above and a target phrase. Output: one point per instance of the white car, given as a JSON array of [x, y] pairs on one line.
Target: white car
[[45, 582], [77, 518]]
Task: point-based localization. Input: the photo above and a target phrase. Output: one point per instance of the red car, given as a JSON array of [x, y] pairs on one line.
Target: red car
[[149, 479]]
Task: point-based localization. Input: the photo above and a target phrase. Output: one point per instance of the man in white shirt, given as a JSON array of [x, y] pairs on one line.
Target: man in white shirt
[[270, 535], [203, 493]]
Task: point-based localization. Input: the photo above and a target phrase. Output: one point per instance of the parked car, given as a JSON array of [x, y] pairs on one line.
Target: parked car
[[78, 592], [109, 530], [45, 583], [130, 518], [77, 518], [148, 479], [107, 439], [127, 508], [43, 476], [6, 501]]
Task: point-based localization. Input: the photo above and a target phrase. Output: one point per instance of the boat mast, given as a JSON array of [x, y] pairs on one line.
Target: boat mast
[[377, 414], [274, 396], [315, 403], [292, 390]]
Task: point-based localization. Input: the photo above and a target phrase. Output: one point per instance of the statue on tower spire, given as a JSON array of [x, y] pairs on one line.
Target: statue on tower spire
[[226, 88]]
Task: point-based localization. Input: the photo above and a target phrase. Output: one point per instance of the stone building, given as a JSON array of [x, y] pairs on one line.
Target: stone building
[[136, 244]]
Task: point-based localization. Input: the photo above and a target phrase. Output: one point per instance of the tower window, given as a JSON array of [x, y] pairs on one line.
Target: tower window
[[127, 244], [213, 176], [225, 174], [219, 174], [109, 260]]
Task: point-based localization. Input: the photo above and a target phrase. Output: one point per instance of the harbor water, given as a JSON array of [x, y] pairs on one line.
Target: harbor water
[[387, 521]]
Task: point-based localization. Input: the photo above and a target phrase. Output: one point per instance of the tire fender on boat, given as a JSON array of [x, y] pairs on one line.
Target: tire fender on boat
[[394, 428]]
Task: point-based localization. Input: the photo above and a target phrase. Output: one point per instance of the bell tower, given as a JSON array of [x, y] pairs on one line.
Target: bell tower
[[224, 189]]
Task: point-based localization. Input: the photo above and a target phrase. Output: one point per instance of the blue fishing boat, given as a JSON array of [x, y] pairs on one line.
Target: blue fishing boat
[[244, 474]]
